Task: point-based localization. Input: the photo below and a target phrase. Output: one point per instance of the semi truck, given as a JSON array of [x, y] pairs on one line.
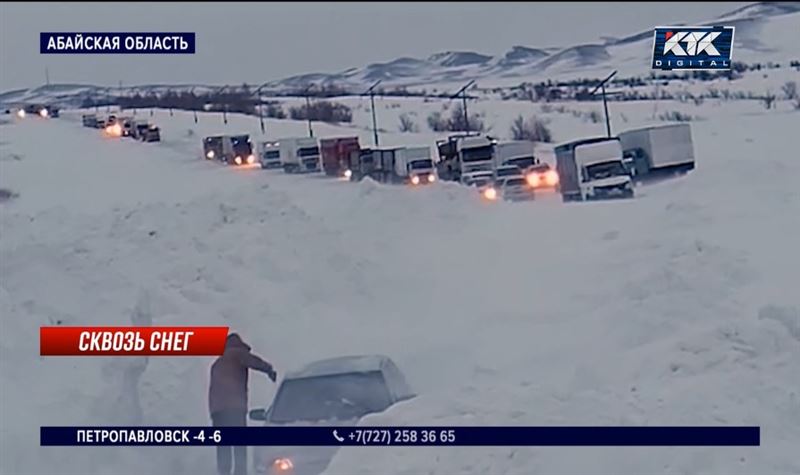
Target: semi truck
[[464, 153], [269, 154], [230, 149], [591, 169], [406, 165], [658, 151], [339, 155], [299, 154]]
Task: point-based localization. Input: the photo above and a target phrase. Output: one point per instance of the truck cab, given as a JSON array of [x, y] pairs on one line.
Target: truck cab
[[300, 154], [340, 156], [213, 147], [269, 154], [241, 150], [415, 166], [476, 154], [591, 169]]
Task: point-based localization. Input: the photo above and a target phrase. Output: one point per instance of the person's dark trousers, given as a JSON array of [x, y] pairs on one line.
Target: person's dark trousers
[[231, 418]]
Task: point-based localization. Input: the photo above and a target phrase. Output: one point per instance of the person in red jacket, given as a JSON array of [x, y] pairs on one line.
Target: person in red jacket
[[227, 397]]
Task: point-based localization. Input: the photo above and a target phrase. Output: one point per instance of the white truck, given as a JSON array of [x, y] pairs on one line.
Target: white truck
[[409, 165], [269, 154], [476, 154], [414, 165], [658, 151], [300, 155], [591, 169]]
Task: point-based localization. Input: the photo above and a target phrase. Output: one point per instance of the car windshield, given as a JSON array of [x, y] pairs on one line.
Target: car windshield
[[477, 154], [508, 171], [336, 397], [599, 171], [421, 164], [515, 182], [308, 151], [522, 162]]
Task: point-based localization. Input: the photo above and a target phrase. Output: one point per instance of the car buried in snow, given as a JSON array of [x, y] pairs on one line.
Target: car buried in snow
[[332, 392]]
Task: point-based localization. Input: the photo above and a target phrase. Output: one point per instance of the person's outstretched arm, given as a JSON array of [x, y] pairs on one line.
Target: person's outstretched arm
[[257, 363]]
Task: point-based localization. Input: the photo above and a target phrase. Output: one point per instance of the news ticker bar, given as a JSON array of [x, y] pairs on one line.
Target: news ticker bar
[[404, 436]]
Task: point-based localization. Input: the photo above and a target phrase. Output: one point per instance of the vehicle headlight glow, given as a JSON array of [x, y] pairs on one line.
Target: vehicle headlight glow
[[21, 113], [490, 194], [551, 178], [431, 178], [283, 465], [415, 180], [210, 154], [532, 179], [43, 112], [238, 160], [348, 173], [251, 159]]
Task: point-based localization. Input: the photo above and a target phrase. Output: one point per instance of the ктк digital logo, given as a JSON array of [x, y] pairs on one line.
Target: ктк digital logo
[[693, 47]]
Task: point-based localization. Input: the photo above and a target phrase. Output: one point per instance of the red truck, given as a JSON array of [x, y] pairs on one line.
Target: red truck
[[337, 155]]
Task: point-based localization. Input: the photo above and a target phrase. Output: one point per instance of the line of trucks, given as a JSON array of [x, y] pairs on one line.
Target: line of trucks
[[114, 126], [585, 169]]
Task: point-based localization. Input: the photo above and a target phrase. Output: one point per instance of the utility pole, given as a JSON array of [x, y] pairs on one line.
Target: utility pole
[[308, 110], [46, 76], [463, 93], [194, 107], [257, 94], [602, 87], [371, 93], [119, 95]]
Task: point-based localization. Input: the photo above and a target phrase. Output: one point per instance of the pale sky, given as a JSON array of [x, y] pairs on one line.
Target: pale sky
[[254, 43]]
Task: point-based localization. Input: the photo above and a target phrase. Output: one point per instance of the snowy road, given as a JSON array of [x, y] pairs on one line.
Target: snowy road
[[678, 307]]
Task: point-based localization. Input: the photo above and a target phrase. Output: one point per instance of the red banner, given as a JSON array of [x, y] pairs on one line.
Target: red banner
[[132, 341]]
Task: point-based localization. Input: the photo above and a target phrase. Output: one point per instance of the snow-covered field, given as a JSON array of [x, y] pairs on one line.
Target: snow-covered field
[[678, 307]]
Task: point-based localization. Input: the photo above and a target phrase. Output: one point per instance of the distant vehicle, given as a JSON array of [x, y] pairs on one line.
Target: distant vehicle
[[515, 188], [269, 154], [504, 171], [448, 166], [542, 176], [89, 120], [591, 169], [409, 165], [213, 148], [471, 178], [339, 155], [332, 392], [516, 152], [476, 153], [113, 126], [140, 130], [658, 151], [300, 155], [128, 126], [38, 110], [151, 134]]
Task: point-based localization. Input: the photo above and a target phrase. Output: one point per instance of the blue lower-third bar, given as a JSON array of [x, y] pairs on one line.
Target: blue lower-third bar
[[405, 436]]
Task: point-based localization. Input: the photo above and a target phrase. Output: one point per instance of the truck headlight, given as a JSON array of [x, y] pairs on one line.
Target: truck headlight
[[237, 160], [210, 154], [490, 194], [21, 113], [251, 159], [43, 112], [282, 465], [348, 174], [431, 178], [415, 180]]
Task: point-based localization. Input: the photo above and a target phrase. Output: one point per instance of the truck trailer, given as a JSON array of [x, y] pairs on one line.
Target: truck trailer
[[658, 151], [591, 169]]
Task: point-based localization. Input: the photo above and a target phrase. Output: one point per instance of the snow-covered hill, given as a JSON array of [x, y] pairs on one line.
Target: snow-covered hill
[[764, 32]]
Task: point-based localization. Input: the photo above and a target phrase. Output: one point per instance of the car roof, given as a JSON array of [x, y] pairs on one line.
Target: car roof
[[341, 365]]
